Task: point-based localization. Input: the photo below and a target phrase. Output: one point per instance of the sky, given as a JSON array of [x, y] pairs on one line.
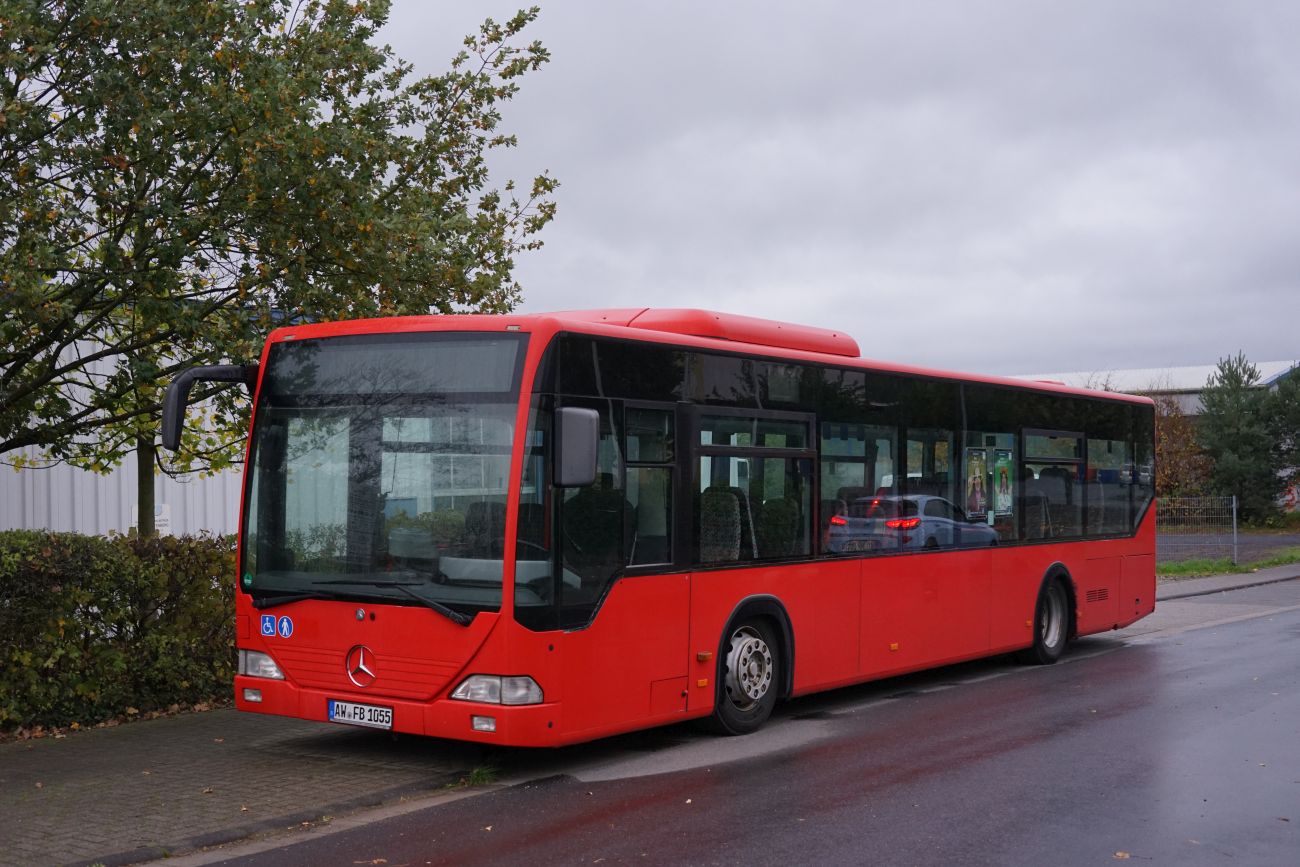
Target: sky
[[996, 187]]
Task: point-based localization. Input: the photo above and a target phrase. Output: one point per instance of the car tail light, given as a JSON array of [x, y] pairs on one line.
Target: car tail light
[[903, 523], [839, 521]]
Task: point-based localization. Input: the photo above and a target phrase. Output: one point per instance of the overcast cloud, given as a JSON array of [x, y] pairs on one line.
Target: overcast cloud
[[1003, 187]]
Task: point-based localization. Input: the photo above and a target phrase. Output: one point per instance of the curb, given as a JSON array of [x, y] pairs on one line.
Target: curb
[[280, 823], [1209, 591]]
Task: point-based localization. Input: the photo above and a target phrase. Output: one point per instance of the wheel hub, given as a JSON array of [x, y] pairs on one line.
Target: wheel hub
[[749, 669]]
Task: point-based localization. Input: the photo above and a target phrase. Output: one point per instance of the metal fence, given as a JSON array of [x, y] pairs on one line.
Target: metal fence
[[1196, 527]]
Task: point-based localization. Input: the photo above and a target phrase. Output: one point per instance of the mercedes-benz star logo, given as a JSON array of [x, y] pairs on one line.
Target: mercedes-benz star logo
[[360, 666]]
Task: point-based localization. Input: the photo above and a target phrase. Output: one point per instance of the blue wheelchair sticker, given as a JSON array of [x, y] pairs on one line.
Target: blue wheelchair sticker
[[284, 626], [268, 624]]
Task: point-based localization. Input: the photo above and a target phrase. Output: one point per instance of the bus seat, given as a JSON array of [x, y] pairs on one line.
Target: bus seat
[[719, 525]]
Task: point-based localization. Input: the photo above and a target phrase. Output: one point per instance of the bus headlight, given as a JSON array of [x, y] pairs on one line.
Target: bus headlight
[[494, 689], [255, 664]]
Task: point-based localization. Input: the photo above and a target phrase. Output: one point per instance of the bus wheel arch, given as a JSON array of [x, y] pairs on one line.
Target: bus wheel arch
[[755, 665], [1055, 617]]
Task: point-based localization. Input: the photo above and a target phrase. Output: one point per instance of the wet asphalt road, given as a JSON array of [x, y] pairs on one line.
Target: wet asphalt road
[[1174, 748]]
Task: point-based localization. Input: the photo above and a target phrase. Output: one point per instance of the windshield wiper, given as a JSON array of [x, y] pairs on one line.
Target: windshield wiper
[[405, 587], [271, 598]]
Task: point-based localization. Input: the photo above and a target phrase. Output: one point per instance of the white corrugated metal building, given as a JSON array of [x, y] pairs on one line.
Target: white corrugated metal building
[[65, 498]]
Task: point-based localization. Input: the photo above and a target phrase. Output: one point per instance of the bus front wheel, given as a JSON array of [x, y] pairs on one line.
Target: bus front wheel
[[1051, 624], [748, 675]]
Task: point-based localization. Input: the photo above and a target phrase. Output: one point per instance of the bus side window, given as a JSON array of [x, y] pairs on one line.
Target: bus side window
[[591, 525], [931, 473], [650, 496], [649, 450]]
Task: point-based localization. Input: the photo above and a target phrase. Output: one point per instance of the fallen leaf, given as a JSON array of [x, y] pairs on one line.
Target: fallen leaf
[[1122, 856], [40, 785], [208, 790], [488, 828], [146, 773], [218, 740], [688, 800], [243, 809]]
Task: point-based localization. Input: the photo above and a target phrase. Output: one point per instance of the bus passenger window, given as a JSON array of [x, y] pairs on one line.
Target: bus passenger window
[[650, 495], [931, 488]]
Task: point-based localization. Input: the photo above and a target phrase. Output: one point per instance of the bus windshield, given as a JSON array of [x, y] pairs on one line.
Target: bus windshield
[[379, 469]]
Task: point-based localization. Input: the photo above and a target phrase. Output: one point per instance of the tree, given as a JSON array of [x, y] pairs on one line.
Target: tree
[[1236, 434], [1182, 467], [1284, 424], [176, 176]]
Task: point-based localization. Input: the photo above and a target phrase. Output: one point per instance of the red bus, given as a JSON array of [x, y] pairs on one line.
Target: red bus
[[537, 530]]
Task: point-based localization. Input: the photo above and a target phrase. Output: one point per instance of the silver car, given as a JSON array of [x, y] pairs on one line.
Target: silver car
[[890, 523]]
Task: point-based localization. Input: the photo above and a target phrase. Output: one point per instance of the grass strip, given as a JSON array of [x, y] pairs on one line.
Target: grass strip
[[1200, 567]]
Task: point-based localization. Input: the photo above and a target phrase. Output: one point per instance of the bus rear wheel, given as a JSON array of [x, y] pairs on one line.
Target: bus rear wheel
[[748, 675], [1051, 624]]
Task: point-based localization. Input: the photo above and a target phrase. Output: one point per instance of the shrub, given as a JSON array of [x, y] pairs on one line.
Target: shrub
[[91, 627]]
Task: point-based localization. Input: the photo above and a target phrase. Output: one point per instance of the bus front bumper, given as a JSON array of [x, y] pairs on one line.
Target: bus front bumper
[[534, 725]]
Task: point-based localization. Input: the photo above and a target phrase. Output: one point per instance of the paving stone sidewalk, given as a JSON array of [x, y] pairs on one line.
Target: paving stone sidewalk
[[148, 789]]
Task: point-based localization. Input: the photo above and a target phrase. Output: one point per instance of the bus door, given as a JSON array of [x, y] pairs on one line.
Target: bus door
[[624, 606]]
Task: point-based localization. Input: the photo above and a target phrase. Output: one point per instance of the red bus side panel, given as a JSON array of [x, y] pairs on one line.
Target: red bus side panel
[[1137, 587], [628, 668], [924, 609], [1098, 592]]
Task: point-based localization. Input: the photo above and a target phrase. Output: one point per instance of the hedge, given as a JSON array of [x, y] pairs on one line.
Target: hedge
[[92, 628]]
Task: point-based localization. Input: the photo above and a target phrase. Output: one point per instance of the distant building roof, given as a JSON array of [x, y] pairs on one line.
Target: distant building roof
[[1164, 379]]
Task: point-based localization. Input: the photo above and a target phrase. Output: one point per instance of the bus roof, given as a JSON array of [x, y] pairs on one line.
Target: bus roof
[[705, 329]]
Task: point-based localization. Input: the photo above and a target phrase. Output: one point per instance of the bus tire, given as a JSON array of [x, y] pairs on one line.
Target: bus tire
[[1051, 624], [749, 678]]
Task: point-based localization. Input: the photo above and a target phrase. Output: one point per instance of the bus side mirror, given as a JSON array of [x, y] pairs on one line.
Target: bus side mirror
[[577, 437], [178, 394]]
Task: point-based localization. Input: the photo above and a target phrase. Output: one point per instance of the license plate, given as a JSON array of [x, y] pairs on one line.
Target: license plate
[[861, 545], [354, 714]]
